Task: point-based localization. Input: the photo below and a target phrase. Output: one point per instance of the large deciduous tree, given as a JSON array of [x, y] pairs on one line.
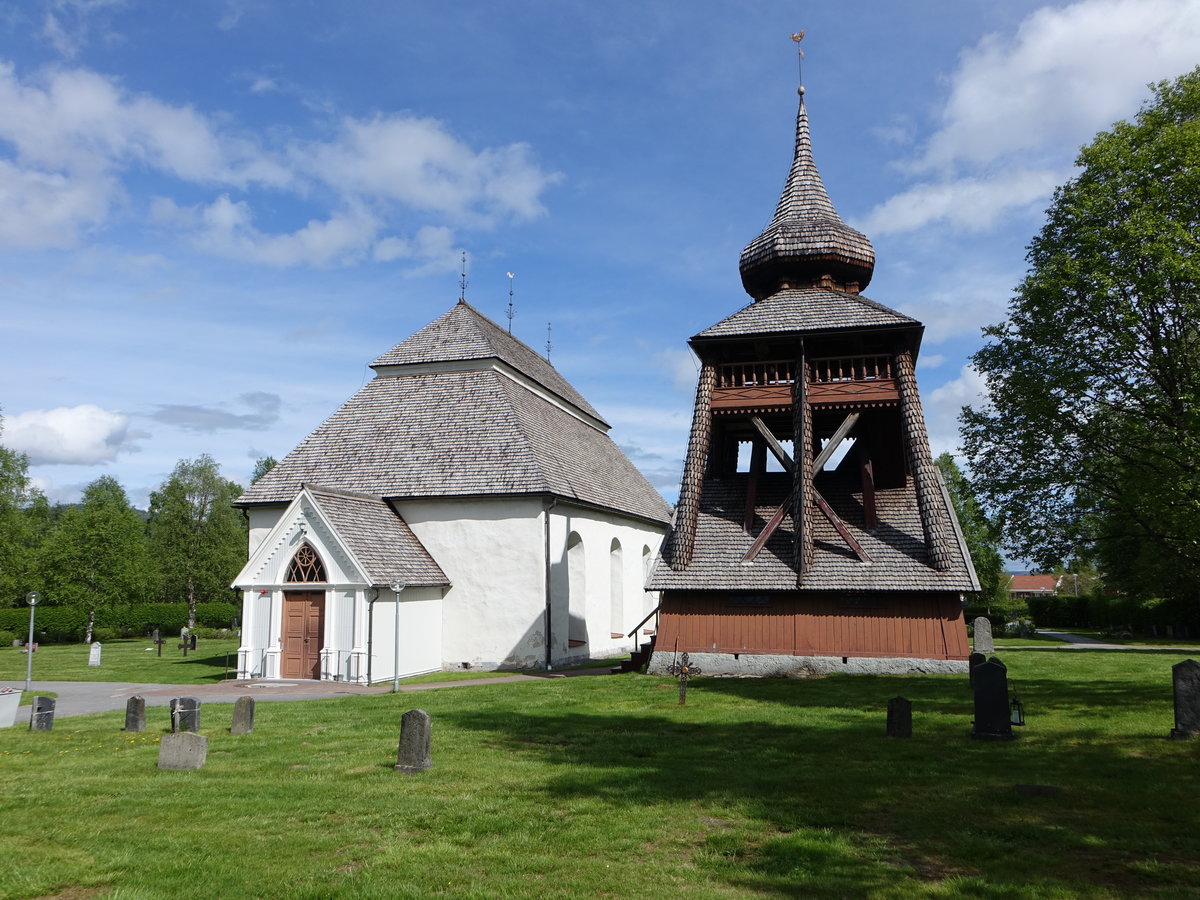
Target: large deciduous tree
[[21, 506], [979, 531], [196, 536], [1092, 437], [96, 554]]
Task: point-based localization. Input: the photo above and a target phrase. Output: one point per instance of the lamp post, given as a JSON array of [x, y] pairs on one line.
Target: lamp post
[[32, 599], [397, 587]]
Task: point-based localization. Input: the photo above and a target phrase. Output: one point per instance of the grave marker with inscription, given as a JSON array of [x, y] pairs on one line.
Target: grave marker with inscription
[[1186, 680], [416, 742], [185, 714], [983, 642], [184, 750], [992, 711], [135, 713], [41, 717], [94, 654], [243, 716]]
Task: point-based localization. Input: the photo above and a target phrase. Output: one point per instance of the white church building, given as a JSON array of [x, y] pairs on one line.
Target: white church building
[[465, 509]]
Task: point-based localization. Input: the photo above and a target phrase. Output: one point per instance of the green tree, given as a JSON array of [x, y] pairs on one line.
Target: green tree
[[20, 505], [262, 466], [980, 533], [96, 554], [1091, 441], [196, 536]]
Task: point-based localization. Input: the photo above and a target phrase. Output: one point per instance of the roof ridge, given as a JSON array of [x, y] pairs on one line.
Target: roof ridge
[[339, 492]]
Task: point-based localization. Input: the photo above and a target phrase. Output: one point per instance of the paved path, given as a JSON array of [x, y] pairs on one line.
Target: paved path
[[1084, 642], [79, 697]]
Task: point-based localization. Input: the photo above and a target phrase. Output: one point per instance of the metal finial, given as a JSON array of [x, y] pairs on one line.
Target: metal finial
[[548, 345], [797, 37], [510, 312], [462, 280]]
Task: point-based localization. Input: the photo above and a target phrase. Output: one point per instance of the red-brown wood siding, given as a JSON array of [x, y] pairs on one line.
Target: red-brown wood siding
[[923, 626]]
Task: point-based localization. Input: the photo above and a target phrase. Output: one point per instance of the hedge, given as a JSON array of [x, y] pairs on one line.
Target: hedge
[[68, 623]]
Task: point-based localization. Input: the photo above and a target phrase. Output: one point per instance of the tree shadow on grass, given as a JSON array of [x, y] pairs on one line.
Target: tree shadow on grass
[[818, 762]]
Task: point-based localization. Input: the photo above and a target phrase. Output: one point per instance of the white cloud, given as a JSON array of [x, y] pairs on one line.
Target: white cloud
[[48, 209], [964, 304], [943, 404], [681, 365], [1018, 104], [418, 163], [930, 360], [76, 435], [969, 204], [1065, 74], [432, 246]]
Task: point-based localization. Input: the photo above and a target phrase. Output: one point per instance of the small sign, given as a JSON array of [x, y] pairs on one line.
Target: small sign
[[94, 654]]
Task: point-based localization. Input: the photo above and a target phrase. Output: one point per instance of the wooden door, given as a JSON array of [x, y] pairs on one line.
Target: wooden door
[[303, 633]]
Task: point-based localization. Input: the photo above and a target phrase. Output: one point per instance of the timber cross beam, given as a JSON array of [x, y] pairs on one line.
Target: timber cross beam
[[788, 463]]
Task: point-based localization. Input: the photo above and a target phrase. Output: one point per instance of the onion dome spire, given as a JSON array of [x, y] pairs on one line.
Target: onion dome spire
[[807, 244]]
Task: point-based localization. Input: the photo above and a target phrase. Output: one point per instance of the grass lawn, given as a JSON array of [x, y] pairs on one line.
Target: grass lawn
[[605, 787], [127, 659]]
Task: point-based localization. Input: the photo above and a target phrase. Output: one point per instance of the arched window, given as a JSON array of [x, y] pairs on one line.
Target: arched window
[[577, 631], [305, 565], [616, 589]]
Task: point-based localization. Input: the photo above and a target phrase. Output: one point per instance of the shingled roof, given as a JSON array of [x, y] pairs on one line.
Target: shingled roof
[[807, 310], [806, 240], [379, 539], [896, 546], [470, 431], [464, 333]]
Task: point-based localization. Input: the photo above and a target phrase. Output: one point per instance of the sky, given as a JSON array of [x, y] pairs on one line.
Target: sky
[[215, 214]]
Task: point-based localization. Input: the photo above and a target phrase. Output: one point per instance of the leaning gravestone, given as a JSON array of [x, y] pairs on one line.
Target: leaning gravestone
[[185, 714], [182, 751], [992, 722], [415, 742], [243, 716], [94, 654], [983, 642], [41, 718], [135, 713], [1186, 677], [899, 718]]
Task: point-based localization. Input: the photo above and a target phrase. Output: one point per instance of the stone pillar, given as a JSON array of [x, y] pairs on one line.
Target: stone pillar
[[41, 717], [1186, 681], [899, 718], [415, 742], [243, 716], [135, 713]]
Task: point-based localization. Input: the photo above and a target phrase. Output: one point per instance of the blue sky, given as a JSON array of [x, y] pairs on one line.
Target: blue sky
[[214, 215]]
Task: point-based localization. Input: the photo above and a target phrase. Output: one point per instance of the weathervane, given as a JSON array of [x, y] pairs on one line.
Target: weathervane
[[510, 312], [548, 342], [462, 280], [798, 37]]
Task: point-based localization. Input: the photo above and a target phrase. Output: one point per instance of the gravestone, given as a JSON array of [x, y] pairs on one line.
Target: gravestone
[[992, 722], [185, 714], [135, 713], [41, 718], [1186, 677], [899, 718], [182, 751], [415, 742], [243, 716], [94, 654], [974, 661], [983, 642]]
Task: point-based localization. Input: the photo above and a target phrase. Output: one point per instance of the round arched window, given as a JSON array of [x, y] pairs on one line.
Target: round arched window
[[306, 566]]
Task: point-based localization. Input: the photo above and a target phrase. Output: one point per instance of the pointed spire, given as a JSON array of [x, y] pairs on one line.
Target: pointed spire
[[806, 244]]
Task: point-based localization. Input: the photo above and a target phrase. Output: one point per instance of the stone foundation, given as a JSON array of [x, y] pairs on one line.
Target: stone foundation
[[769, 665]]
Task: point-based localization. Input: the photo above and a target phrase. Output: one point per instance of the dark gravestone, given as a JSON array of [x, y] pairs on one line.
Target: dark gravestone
[[135, 714], [992, 722], [243, 716], [185, 714], [899, 718], [983, 636], [415, 742], [974, 661], [41, 717], [1186, 677], [182, 751]]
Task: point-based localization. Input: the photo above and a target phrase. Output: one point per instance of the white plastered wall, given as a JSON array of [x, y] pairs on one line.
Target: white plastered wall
[[597, 530], [420, 633]]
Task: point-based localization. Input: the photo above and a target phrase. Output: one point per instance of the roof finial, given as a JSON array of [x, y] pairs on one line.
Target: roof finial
[[510, 312], [548, 342], [462, 279], [798, 37]]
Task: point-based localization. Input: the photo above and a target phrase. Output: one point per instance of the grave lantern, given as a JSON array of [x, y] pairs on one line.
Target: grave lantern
[[1016, 711]]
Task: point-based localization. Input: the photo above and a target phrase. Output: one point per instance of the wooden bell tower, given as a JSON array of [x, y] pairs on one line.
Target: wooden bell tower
[[852, 513]]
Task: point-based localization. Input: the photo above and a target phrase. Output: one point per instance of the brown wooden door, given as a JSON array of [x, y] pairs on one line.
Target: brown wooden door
[[303, 633]]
